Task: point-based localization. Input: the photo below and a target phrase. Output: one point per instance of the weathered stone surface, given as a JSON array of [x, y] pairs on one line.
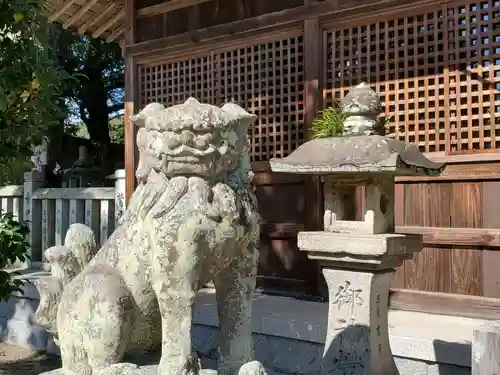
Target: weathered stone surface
[[362, 106], [81, 241], [355, 155], [361, 245], [363, 152], [66, 262], [409, 367], [250, 368], [357, 339], [358, 256], [192, 219], [289, 356]]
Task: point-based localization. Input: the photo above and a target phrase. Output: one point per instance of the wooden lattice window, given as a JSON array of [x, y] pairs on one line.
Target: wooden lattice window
[[174, 82], [474, 58], [438, 74], [268, 80]]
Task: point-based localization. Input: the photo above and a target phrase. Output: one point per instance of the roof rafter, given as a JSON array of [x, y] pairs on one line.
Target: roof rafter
[[81, 12], [58, 13], [167, 7], [109, 24], [92, 21], [115, 34]]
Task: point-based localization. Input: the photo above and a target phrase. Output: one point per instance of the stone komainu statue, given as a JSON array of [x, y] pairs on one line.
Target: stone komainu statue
[[193, 218]]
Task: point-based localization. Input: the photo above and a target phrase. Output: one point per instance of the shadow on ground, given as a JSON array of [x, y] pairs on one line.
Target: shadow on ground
[[17, 361]]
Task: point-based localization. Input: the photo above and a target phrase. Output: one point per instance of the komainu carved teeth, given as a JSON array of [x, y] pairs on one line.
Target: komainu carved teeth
[[173, 141], [187, 137], [201, 142], [202, 126]]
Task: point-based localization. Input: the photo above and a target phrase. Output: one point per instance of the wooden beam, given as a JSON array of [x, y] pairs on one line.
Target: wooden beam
[[441, 157], [491, 219], [111, 22], [462, 172], [130, 132], [470, 237], [131, 91], [115, 34], [79, 14], [313, 54], [130, 21], [312, 63], [285, 17], [280, 230], [58, 13], [444, 304], [166, 7], [271, 178], [96, 20]]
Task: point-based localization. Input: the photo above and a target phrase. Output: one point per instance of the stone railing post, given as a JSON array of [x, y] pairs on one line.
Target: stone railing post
[[358, 257], [32, 214], [486, 349]]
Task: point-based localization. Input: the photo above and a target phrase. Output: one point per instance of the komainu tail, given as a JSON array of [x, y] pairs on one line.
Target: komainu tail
[[66, 262]]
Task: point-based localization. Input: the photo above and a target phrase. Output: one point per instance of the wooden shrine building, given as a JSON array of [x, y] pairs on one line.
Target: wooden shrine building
[[436, 66]]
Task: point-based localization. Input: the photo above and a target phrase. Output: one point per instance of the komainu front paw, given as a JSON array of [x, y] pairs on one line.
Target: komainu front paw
[[186, 365]]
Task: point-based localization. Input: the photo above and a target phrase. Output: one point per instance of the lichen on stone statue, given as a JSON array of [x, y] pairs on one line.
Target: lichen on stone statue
[[192, 219], [361, 107], [66, 262]]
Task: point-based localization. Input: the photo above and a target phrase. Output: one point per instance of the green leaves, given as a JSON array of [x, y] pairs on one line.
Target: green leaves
[[330, 123], [13, 247], [18, 16], [29, 83]]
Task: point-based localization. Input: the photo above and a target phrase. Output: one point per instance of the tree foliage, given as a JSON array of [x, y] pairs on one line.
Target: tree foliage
[[98, 69], [13, 248], [29, 84], [95, 97]]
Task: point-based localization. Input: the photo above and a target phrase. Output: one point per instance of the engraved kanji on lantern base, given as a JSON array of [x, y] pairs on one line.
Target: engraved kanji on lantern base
[[358, 257], [357, 340], [358, 270]]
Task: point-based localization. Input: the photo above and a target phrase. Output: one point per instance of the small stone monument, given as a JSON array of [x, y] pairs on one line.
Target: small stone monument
[[82, 173], [358, 257]]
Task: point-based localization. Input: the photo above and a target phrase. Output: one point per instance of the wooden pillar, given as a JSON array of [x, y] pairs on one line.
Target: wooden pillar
[[486, 349], [130, 99], [313, 103]]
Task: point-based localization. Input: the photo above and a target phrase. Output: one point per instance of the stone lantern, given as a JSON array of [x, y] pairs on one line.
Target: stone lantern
[[82, 173], [358, 257]]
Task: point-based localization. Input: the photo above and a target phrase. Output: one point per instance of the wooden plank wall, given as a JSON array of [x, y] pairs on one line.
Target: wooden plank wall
[[451, 268], [282, 205], [266, 75], [426, 59]]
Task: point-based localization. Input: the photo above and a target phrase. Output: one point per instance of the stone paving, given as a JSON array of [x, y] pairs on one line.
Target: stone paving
[[18, 361]]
